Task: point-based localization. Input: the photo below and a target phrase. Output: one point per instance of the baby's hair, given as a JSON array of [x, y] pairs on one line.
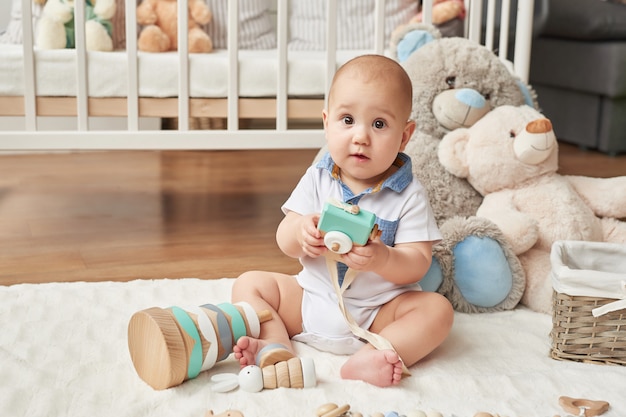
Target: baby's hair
[[378, 67]]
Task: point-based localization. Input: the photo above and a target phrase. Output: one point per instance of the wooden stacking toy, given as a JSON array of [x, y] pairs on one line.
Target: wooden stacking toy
[[171, 345]]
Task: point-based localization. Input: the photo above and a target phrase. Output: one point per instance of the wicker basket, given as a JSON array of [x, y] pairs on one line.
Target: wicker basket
[[576, 334]]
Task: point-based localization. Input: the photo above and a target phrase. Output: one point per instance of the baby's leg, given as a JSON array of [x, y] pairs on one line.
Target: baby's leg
[[282, 296], [415, 323]]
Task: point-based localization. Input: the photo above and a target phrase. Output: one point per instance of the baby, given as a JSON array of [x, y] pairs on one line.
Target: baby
[[367, 127]]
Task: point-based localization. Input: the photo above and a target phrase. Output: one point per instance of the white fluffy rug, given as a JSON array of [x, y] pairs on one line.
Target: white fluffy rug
[[63, 352]]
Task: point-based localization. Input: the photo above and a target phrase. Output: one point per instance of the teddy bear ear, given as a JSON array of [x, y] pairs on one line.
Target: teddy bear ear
[[409, 38], [452, 152]]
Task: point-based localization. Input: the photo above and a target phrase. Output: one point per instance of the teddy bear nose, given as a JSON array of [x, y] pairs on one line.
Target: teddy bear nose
[[539, 126], [471, 98], [459, 108]]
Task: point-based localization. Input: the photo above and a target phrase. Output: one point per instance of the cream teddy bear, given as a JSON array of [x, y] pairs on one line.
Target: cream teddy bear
[[511, 157], [160, 33], [55, 29]]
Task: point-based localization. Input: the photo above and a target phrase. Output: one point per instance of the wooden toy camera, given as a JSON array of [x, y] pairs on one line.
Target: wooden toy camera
[[344, 225]]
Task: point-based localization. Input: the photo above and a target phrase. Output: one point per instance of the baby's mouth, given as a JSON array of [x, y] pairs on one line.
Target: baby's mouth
[[359, 156]]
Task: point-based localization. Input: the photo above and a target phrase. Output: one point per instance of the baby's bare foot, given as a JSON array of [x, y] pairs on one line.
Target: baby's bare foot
[[246, 350], [251, 351], [382, 368]]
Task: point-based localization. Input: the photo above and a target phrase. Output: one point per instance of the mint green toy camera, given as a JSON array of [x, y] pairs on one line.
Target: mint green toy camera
[[344, 225]]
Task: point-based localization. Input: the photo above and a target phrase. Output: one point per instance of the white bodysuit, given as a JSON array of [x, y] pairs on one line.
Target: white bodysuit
[[403, 214]]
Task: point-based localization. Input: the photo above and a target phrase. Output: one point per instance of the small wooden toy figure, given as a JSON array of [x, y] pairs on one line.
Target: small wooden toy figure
[[169, 346], [291, 373]]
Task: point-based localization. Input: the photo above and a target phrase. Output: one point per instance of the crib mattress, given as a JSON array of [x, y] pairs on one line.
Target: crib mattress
[[158, 73]]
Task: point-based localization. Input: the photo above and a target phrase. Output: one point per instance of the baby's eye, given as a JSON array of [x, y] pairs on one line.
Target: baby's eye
[[348, 120], [379, 124]]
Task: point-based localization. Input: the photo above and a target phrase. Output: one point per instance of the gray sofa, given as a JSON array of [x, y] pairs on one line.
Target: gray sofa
[[578, 68]]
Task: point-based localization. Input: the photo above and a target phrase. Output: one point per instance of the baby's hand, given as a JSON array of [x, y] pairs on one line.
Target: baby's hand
[[311, 238], [368, 257]]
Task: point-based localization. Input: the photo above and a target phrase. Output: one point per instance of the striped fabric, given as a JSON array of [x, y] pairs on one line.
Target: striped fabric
[[307, 23], [256, 30], [13, 32]]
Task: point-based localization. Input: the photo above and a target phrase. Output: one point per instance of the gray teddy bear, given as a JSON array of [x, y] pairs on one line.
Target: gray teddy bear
[[455, 82]]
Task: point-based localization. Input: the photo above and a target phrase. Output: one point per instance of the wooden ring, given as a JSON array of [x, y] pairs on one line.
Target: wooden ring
[[337, 412], [583, 407]]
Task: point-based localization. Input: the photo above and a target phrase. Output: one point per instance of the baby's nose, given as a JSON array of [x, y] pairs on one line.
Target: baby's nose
[[360, 135]]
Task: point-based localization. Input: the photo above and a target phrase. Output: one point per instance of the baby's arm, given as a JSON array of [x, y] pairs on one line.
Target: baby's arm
[[405, 263], [298, 236]]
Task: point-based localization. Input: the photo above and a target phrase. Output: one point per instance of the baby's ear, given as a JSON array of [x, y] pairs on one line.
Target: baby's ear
[[452, 152], [407, 134]]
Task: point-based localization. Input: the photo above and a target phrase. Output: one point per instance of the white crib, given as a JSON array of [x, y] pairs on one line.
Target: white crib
[[280, 101]]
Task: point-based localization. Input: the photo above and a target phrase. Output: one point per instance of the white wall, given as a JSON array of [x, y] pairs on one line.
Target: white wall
[[5, 13]]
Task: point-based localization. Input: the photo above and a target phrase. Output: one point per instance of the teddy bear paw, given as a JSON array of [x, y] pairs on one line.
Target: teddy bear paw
[[482, 273], [153, 39]]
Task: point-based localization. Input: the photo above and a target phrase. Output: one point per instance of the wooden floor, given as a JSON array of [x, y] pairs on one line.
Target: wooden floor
[[120, 216]]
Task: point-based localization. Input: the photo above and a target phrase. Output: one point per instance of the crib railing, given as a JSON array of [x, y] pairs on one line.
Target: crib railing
[[282, 108]]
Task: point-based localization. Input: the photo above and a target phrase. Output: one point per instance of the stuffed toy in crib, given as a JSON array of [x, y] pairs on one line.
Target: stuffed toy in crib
[[511, 157], [456, 82], [159, 18], [55, 29], [447, 16], [443, 11]]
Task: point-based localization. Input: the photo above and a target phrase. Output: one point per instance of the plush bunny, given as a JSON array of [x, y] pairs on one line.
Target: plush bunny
[[511, 157], [55, 29]]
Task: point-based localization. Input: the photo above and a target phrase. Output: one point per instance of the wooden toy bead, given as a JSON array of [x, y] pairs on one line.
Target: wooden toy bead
[[273, 356], [325, 408], [332, 410], [293, 373]]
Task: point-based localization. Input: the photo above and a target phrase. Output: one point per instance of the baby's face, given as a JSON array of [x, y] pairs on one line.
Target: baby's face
[[366, 126]]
